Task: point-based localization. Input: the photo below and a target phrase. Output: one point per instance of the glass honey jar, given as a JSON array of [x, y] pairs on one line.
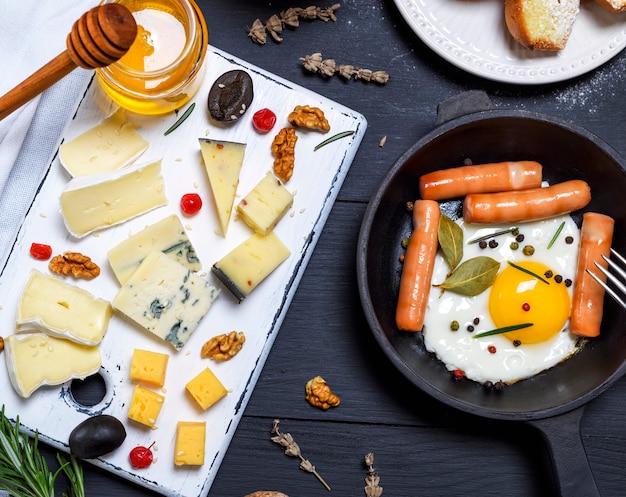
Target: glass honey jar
[[164, 67]]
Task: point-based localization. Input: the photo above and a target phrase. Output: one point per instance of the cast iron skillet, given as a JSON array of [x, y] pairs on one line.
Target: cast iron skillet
[[554, 400]]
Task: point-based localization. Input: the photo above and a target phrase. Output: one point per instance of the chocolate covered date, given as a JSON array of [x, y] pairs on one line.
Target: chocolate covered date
[[230, 96]]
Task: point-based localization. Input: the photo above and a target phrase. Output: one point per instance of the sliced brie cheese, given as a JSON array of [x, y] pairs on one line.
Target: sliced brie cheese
[[50, 305], [110, 145], [244, 267], [223, 161], [265, 205], [90, 203], [37, 359], [165, 298], [167, 235]]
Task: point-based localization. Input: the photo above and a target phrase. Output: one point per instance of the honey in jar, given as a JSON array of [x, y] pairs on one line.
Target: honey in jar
[[164, 67]]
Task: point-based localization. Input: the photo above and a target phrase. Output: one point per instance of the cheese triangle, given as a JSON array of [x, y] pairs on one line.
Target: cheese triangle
[[223, 161]]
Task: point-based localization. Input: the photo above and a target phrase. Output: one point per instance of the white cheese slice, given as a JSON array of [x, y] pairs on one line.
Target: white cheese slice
[[223, 161], [244, 267], [265, 205], [110, 145], [52, 306], [165, 298], [168, 236], [94, 202], [37, 359]]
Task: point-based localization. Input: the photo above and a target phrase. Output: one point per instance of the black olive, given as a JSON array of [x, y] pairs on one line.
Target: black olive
[[230, 96], [97, 436]]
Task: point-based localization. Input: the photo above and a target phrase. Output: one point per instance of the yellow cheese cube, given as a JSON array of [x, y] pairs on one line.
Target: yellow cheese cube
[[206, 389], [190, 437], [149, 367], [145, 406], [265, 205]]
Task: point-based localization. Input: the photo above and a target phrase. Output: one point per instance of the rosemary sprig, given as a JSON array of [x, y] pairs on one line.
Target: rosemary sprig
[[493, 235], [293, 450], [556, 235], [333, 138], [524, 270], [504, 329], [181, 119], [24, 471]]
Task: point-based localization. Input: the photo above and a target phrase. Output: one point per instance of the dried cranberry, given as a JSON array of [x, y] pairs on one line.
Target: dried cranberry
[[41, 251], [263, 120]]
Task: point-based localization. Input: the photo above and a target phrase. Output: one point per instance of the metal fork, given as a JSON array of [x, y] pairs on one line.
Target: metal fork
[[616, 281]]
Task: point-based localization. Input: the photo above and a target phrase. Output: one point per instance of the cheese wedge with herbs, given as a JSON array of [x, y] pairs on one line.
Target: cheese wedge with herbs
[[223, 161], [265, 205], [94, 202], [168, 236], [50, 305], [37, 359], [248, 264], [110, 145], [165, 298], [190, 441]]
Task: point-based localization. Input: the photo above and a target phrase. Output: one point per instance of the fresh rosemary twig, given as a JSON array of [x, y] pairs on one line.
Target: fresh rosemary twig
[[180, 120], [24, 471], [333, 138]]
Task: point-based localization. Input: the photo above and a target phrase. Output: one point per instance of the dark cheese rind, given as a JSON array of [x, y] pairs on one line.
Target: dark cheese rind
[[228, 283]]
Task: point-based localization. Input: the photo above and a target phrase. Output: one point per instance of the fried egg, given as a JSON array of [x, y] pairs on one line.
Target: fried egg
[[517, 297]]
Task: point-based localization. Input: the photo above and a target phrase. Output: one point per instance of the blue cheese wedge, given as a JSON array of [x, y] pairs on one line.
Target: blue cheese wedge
[[223, 161], [94, 202], [110, 145], [265, 205], [165, 298], [167, 236], [37, 359], [244, 267], [52, 306]]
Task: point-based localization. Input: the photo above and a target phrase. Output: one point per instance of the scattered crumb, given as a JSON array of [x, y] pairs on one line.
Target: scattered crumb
[[43, 215], [178, 159], [382, 141], [302, 210], [292, 213], [188, 227], [195, 184]]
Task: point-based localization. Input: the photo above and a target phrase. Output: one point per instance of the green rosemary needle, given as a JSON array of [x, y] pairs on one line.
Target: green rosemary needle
[[556, 235], [504, 329], [493, 235], [181, 119], [333, 138], [523, 270]]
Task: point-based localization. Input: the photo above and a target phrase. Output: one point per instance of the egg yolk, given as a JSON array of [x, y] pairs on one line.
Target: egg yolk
[[517, 298]]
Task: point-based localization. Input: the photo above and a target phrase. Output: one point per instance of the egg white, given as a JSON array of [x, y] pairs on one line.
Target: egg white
[[458, 349]]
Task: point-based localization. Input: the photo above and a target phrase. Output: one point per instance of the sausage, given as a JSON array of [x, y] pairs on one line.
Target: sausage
[[596, 236], [480, 178], [526, 205], [419, 262]]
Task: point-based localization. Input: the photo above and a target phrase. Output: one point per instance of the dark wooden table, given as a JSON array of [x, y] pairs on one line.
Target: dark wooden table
[[421, 447]]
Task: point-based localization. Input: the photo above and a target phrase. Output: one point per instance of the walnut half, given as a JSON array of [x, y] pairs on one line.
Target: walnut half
[[284, 151], [1, 344], [223, 347], [309, 117], [319, 394], [74, 263]]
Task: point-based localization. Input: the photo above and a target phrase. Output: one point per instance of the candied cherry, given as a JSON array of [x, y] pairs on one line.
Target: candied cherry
[[263, 120], [41, 251], [141, 457], [190, 203]]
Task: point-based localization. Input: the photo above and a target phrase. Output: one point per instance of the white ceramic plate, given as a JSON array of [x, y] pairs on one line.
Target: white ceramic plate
[[316, 180], [472, 35]]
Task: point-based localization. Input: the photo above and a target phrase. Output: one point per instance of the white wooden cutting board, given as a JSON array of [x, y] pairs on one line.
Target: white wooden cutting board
[[316, 181]]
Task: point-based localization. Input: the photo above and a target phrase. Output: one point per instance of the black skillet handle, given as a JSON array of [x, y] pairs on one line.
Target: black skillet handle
[[461, 104], [569, 460]]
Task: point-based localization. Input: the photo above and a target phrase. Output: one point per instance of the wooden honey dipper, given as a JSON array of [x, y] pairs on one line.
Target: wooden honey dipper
[[100, 37]]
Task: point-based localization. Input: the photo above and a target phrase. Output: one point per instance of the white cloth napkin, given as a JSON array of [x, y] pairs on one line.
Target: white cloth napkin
[[32, 32]]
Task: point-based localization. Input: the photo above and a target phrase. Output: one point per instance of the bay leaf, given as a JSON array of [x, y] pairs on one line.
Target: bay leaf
[[450, 237], [472, 277]]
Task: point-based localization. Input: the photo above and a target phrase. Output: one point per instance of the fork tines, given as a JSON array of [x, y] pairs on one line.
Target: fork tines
[[615, 281]]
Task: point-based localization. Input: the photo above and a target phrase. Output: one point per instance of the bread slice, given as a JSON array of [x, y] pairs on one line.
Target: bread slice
[[541, 24], [613, 5]]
